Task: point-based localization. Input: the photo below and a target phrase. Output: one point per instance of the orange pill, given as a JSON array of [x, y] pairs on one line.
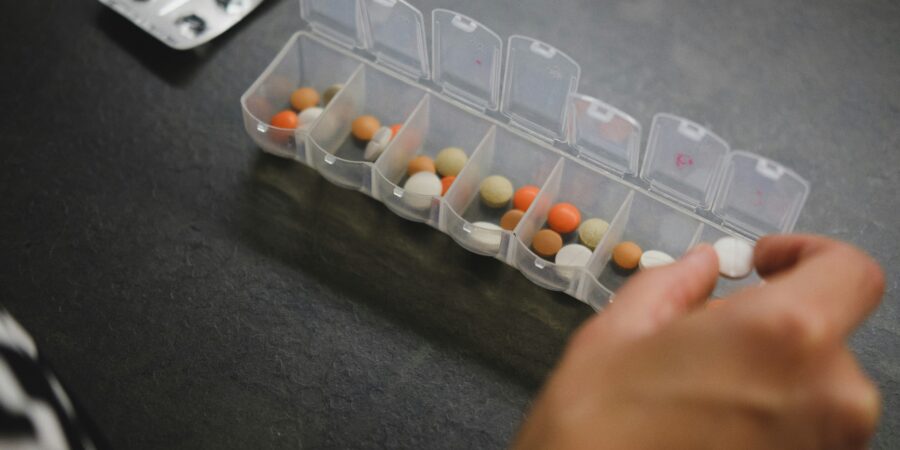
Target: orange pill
[[305, 97], [627, 255], [285, 119], [511, 219], [524, 196], [364, 127], [395, 128], [547, 243], [564, 218], [420, 164], [445, 183]]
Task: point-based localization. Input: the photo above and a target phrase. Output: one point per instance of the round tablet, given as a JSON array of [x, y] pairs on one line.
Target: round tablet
[[735, 257], [654, 258], [524, 196], [330, 92], [573, 255], [424, 185], [591, 232], [450, 161], [496, 191], [546, 243], [487, 235], [305, 97], [285, 119], [564, 218], [511, 219], [364, 127], [420, 164], [627, 255], [309, 115], [446, 182], [379, 142]]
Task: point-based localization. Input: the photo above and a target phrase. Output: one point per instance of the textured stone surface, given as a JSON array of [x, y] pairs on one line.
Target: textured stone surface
[[195, 293]]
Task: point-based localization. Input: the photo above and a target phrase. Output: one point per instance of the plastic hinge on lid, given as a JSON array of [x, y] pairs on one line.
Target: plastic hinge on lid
[[605, 135], [683, 160], [466, 59], [536, 89], [396, 35], [336, 19], [759, 196]]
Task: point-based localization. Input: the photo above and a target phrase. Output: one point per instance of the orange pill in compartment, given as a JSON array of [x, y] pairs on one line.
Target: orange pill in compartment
[[420, 164], [364, 127], [303, 98], [546, 243], [285, 119], [511, 219], [627, 255], [525, 196], [446, 182], [564, 218]]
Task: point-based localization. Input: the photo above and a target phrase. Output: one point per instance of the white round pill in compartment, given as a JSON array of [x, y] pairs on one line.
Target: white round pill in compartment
[[420, 189], [654, 258], [735, 257], [487, 235], [574, 255], [379, 142]]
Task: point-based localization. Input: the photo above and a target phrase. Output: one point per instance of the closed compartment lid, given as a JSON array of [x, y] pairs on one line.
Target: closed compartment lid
[[539, 79], [336, 19], [396, 36], [759, 196], [467, 59], [683, 160], [604, 135]]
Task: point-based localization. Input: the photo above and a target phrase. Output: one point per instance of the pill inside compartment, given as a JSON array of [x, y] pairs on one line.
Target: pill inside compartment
[[724, 285], [434, 126], [303, 61], [594, 195], [465, 216], [333, 150], [651, 224]]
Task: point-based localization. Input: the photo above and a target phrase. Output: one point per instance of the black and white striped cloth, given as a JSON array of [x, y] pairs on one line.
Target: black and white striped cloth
[[35, 410]]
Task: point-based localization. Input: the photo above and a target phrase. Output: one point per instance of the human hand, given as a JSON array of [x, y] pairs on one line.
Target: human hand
[[768, 368]]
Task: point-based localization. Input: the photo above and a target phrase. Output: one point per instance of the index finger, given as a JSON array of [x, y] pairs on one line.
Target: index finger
[[819, 278]]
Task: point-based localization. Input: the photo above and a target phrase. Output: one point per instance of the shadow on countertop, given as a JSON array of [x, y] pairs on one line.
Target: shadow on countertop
[[415, 275]]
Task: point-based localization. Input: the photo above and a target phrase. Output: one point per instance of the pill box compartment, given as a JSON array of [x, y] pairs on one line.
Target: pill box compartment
[[503, 153], [594, 196], [334, 152], [434, 125], [303, 61], [651, 224]]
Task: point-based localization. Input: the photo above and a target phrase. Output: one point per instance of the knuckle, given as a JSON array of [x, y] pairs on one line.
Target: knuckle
[[857, 408], [870, 273], [797, 327]]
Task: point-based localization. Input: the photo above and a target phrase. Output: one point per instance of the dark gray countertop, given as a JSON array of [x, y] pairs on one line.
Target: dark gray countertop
[[193, 292]]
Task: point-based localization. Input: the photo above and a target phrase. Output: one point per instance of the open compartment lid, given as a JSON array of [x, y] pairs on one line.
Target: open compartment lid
[[396, 35], [467, 59], [759, 196], [338, 20], [539, 79], [604, 135], [683, 160]]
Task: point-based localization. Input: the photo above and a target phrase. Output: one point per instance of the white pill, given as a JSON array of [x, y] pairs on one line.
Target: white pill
[[654, 258], [308, 116], [576, 255], [487, 234], [420, 188], [735, 257], [379, 142]]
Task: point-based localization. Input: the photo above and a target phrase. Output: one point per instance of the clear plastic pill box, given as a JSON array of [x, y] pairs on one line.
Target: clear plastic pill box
[[514, 106]]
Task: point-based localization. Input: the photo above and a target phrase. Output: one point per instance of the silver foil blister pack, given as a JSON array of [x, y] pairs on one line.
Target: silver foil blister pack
[[184, 24]]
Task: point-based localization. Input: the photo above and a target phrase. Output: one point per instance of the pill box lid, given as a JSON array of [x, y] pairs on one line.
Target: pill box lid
[[539, 79], [467, 59], [683, 160], [604, 135], [395, 34], [338, 20], [759, 196]]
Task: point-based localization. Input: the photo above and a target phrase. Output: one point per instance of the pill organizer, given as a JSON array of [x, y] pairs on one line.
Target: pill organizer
[[515, 108], [184, 24]]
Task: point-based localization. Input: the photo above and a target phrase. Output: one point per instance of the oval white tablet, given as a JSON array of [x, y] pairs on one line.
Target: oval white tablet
[[308, 116], [487, 234], [423, 186], [654, 258], [576, 255], [735, 257], [379, 142]]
